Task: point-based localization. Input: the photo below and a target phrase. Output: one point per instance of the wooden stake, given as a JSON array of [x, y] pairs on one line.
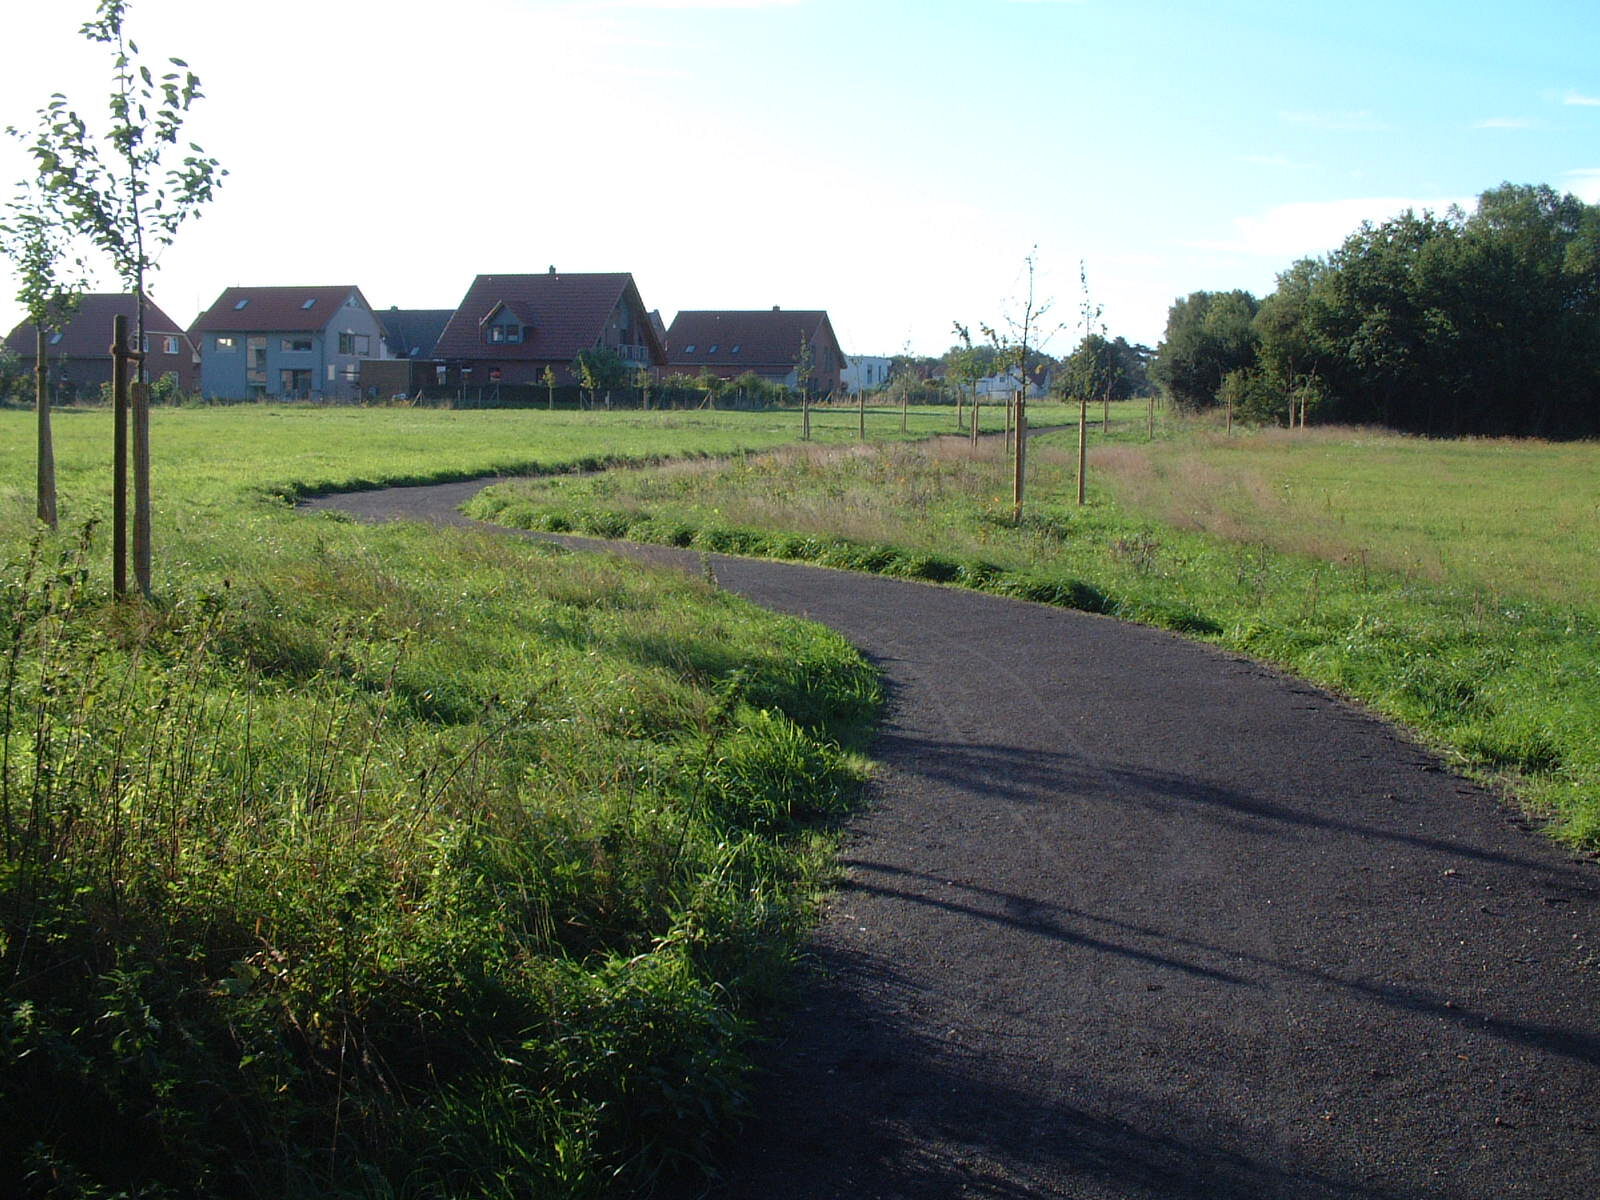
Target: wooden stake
[[119, 456], [142, 513], [1083, 445], [47, 453]]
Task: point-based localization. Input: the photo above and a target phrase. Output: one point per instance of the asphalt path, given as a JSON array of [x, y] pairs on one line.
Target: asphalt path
[[1129, 916]]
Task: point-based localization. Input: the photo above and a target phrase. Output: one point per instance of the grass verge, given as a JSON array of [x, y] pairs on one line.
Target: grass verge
[[392, 861], [1501, 680]]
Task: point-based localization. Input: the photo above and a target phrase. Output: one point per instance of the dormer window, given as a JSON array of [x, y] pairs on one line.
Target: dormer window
[[504, 335]]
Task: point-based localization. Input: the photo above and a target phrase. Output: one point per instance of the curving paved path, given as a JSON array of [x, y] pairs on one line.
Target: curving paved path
[[1133, 917]]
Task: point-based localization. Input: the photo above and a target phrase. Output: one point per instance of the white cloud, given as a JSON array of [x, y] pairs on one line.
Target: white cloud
[[1585, 184], [1292, 231], [1503, 123], [1581, 100]]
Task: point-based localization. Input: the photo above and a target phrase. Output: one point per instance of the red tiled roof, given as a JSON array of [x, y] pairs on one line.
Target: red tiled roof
[[565, 314], [274, 309], [758, 338], [88, 334]]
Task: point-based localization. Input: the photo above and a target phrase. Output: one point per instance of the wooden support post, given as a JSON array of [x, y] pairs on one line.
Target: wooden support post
[[1020, 460], [1083, 444], [47, 453], [120, 357], [142, 514]]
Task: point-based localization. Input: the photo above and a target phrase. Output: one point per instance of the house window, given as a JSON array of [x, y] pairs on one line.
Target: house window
[[227, 341], [297, 345], [358, 344], [505, 334], [169, 345], [256, 361], [293, 381]]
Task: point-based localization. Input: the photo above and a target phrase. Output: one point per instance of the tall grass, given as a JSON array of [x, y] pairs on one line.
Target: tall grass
[[1493, 666], [393, 862]]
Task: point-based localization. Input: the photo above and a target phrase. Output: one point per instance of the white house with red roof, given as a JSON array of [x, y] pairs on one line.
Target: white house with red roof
[[727, 343], [509, 328], [301, 343]]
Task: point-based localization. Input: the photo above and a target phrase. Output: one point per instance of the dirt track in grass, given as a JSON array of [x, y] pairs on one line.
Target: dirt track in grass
[[1131, 917]]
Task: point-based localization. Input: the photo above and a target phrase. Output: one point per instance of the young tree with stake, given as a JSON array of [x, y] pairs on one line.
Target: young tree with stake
[[34, 239], [127, 189]]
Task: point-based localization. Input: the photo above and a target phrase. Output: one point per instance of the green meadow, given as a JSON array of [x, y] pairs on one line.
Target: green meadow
[[394, 861], [1450, 585]]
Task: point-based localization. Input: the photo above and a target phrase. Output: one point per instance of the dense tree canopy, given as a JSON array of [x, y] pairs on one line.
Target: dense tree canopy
[[1209, 334], [1487, 323]]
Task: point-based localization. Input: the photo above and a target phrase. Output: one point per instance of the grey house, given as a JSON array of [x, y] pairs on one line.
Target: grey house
[[290, 343]]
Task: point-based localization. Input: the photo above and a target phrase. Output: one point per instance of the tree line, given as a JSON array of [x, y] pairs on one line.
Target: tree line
[[1485, 323]]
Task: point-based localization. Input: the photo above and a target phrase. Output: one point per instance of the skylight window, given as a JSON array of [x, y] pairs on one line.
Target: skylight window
[[711, 349], [240, 305], [736, 348], [689, 349], [309, 302]]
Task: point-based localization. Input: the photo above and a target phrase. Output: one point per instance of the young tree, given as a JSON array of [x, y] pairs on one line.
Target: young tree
[[127, 189], [548, 378], [601, 369], [49, 283], [1013, 350], [965, 368]]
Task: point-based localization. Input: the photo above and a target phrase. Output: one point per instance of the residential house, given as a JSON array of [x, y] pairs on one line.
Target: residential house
[[1003, 387], [766, 342], [510, 328], [413, 332], [864, 372], [79, 356], [301, 343]]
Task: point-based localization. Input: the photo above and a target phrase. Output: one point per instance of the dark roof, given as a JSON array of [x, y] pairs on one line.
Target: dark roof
[[565, 314], [274, 309], [763, 337], [88, 334], [412, 332]]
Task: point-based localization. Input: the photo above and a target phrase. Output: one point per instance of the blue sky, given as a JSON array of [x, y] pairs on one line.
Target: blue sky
[[891, 162]]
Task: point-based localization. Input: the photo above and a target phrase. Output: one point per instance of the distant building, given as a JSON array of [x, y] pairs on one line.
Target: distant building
[[300, 343], [727, 343], [510, 328], [864, 372], [413, 332], [79, 356]]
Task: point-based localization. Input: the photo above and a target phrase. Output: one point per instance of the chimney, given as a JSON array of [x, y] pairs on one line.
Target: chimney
[[775, 308], [552, 268]]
